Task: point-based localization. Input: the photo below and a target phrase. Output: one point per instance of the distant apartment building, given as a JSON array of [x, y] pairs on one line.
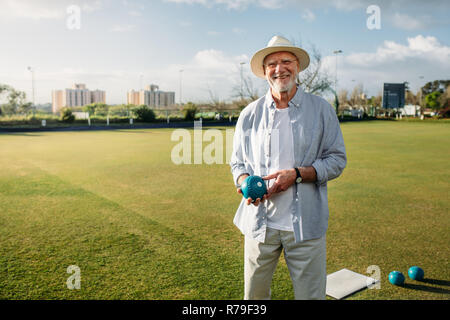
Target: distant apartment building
[[151, 96], [133, 97], [77, 96]]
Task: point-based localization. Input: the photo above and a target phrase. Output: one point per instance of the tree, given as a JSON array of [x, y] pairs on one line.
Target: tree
[[101, 109], [444, 99], [432, 100], [343, 98], [67, 116], [16, 100], [315, 80], [25, 108], [215, 101], [436, 85], [144, 113], [410, 98], [90, 108], [189, 111], [357, 96], [3, 89], [377, 100]]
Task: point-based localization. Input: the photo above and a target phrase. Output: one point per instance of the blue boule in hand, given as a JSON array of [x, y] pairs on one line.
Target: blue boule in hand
[[253, 187]]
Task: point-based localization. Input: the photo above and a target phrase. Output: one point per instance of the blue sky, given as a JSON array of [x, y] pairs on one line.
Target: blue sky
[[123, 43]]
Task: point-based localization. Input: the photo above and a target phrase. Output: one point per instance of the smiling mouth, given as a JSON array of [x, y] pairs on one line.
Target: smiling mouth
[[282, 76]]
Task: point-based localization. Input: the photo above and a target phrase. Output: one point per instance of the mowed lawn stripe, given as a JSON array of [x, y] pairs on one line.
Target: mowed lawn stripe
[[51, 224], [174, 222]]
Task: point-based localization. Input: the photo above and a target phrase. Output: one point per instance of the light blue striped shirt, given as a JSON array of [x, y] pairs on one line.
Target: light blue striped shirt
[[317, 142]]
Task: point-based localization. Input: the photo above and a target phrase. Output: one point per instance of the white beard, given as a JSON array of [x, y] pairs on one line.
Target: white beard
[[279, 87]]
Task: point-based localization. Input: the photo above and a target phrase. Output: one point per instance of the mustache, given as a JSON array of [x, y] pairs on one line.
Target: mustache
[[278, 75]]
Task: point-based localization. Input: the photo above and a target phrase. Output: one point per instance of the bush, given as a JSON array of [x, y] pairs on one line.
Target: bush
[[144, 114], [444, 113], [189, 111], [67, 116]]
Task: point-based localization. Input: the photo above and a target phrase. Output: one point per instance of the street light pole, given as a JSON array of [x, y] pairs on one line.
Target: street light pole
[[241, 92], [32, 88], [180, 86], [336, 52]]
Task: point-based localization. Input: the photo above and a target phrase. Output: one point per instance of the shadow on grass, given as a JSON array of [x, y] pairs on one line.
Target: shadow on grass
[[20, 134], [437, 282], [131, 130], [423, 287]]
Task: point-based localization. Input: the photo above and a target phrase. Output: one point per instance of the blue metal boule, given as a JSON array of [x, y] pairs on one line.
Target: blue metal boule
[[253, 187], [396, 278], [416, 273]]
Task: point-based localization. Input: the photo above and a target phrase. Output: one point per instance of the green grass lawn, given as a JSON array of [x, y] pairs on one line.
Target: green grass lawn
[[140, 227]]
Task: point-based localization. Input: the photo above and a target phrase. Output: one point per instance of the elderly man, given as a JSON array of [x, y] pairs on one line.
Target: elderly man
[[293, 140]]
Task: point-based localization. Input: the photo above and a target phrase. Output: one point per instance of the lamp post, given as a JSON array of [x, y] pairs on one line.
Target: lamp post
[[241, 92], [181, 71], [32, 88], [336, 52], [420, 99]]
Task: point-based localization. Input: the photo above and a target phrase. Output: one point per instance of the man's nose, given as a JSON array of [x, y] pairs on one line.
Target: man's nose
[[278, 67]]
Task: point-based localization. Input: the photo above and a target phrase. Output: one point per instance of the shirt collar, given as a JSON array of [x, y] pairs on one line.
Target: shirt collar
[[295, 101]]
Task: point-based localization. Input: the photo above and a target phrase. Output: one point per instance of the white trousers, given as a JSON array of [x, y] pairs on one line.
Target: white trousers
[[306, 262]]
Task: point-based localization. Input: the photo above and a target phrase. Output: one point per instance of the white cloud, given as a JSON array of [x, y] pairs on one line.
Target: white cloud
[[402, 14], [407, 22], [420, 47], [347, 5], [238, 31], [308, 15], [393, 62], [213, 33], [44, 9], [134, 13], [31, 9], [185, 24], [123, 28], [92, 6], [234, 4], [208, 71]]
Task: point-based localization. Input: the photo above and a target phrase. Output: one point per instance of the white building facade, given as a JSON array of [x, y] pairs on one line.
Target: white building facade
[[77, 96], [151, 96]]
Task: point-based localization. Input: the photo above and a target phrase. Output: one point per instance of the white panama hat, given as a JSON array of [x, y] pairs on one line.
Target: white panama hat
[[277, 44]]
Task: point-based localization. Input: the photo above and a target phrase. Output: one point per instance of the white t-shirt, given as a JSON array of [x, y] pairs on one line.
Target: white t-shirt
[[280, 205]]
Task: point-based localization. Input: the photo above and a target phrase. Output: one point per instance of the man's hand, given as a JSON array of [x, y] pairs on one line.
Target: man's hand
[[283, 180], [249, 200]]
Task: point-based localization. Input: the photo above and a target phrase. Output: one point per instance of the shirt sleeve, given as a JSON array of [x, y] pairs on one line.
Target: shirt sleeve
[[237, 157], [333, 158]]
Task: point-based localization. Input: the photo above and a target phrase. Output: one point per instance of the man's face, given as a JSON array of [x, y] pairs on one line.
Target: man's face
[[281, 69]]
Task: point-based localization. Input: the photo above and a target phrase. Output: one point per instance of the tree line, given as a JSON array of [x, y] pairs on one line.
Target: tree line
[[433, 95], [16, 101]]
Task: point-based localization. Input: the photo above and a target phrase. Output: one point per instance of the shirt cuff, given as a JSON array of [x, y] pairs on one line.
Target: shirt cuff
[[236, 177], [321, 174]]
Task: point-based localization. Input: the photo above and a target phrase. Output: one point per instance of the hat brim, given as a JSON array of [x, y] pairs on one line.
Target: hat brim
[[256, 63]]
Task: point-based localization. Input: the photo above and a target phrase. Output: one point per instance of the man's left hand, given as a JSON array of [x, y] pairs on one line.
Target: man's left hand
[[283, 180]]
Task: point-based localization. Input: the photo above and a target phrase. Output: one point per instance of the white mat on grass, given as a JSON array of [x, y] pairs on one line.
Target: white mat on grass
[[345, 282]]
